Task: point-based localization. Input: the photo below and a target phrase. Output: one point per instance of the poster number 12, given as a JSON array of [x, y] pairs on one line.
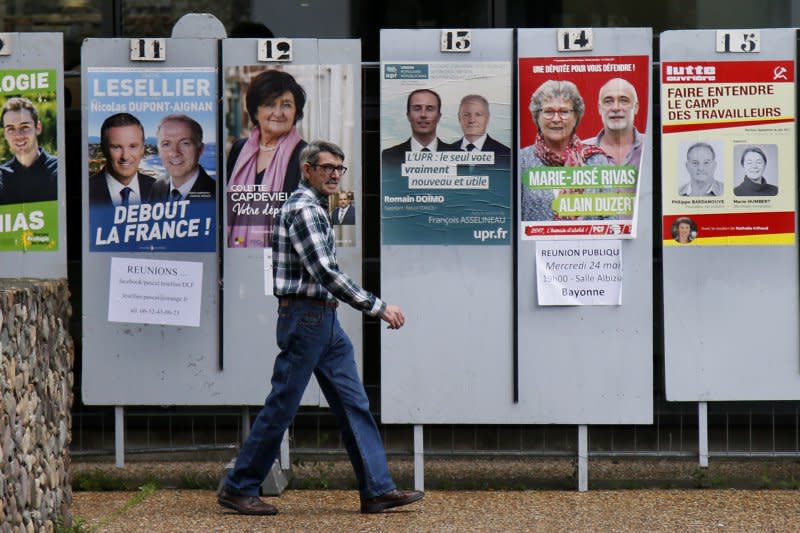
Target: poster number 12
[[275, 50]]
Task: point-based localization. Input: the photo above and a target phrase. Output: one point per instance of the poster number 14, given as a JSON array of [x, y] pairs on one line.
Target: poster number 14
[[575, 40]]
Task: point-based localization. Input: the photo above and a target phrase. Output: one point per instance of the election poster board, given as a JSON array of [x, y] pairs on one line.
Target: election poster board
[[729, 152], [32, 189], [320, 80], [584, 277], [176, 109], [581, 186], [149, 255], [730, 263], [445, 159], [452, 280]]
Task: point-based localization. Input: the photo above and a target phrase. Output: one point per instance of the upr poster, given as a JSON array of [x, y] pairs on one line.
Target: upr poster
[[728, 153], [573, 184], [445, 161]]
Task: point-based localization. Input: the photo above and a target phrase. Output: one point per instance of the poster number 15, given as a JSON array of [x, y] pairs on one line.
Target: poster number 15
[[741, 41], [575, 40]]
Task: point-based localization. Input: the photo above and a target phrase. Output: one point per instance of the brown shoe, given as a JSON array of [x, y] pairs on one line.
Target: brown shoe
[[394, 498], [244, 504]]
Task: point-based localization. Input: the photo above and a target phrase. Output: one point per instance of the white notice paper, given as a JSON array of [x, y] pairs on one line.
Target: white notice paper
[[147, 291], [579, 272], [268, 271]]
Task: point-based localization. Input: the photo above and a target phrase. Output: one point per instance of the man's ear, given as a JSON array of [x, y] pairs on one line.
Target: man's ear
[[38, 127]]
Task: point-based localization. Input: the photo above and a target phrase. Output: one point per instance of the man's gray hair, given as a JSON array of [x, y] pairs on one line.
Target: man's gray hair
[[707, 146], [310, 153], [557, 88], [474, 98]]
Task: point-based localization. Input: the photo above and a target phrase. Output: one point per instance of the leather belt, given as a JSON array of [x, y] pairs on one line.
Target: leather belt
[[286, 300]]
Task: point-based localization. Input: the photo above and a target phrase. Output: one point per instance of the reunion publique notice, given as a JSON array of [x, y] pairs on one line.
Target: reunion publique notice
[[728, 152]]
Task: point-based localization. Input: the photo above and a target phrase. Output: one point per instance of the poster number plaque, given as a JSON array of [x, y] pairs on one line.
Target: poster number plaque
[[272, 50], [5, 44], [456, 41], [574, 40], [738, 42], [148, 50]]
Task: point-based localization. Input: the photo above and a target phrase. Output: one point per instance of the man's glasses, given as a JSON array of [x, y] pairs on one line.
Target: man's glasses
[[328, 169], [564, 114]]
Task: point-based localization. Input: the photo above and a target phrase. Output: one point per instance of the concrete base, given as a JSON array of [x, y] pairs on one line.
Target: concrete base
[[276, 482]]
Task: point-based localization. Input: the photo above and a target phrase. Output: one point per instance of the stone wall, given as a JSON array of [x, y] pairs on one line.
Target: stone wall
[[35, 400]]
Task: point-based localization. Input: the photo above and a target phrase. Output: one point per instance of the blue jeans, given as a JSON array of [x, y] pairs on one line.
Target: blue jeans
[[311, 340]]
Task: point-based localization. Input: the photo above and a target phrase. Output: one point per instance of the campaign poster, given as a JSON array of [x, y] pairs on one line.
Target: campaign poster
[[728, 153], [29, 161], [445, 161], [272, 113], [582, 135], [152, 144]]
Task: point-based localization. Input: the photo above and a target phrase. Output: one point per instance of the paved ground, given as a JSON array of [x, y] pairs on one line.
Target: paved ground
[[651, 510]]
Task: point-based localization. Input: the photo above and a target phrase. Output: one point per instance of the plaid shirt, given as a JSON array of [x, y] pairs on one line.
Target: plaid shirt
[[304, 254]]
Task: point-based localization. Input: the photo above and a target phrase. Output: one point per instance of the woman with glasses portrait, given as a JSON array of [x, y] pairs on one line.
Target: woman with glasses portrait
[[264, 168], [556, 109]]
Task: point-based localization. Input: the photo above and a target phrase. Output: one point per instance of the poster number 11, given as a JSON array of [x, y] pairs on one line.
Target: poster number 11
[[148, 50]]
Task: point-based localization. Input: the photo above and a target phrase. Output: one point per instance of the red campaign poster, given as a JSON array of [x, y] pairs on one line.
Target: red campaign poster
[[582, 131]]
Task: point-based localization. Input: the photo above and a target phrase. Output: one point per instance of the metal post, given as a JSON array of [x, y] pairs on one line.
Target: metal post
[[419, 459], [119, 436], [702, 433], [583, 458], [285, 464], [245, 423]]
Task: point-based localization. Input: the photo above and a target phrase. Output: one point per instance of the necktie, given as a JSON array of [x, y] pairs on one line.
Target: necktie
[[470, 147], [175, 195], [425, 150], [126, 194]]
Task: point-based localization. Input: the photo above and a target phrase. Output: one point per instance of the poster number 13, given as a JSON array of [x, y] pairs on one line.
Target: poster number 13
[[456, 41]]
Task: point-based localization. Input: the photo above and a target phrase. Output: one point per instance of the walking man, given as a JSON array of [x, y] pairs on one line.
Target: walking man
[[308, 283]]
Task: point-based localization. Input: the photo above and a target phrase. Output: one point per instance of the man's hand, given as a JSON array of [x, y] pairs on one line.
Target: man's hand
[[394, 316]]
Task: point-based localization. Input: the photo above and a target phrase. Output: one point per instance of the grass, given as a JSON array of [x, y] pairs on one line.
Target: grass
[[80, 526]]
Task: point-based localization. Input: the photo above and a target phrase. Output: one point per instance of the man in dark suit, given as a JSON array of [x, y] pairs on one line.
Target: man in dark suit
[[120, 182], [344, 214], [180, 144], [423, 111], [473, 116]]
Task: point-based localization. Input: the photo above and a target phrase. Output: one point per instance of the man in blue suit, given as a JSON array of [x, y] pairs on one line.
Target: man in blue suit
[[120, 182], [180, 145], [473, 116], [344, 214]]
